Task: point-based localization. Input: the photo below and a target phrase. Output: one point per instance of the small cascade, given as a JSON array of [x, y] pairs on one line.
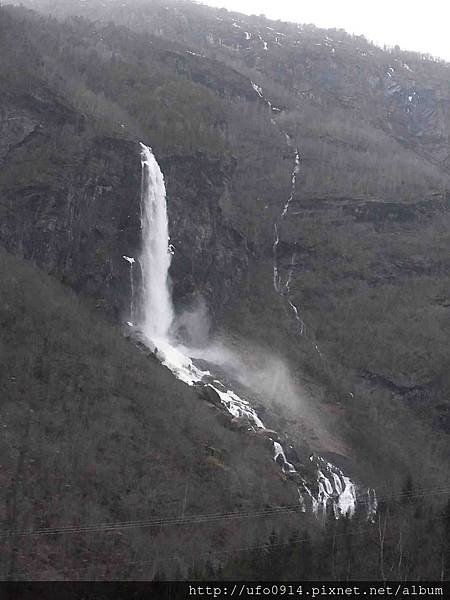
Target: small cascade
[[238, 407], [131, 261], [347, 499], [290, 273], [335, 491], [280, 458], [337, 482], [322, 498], [328, 486], [301, 501], [277, 284], [287, 286], [314, 501], [295, 172], [372, 505], [276, 276]]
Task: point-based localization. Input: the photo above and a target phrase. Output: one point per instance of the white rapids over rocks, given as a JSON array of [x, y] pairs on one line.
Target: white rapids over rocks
[[281, 459], [335, 490], [332, 488]]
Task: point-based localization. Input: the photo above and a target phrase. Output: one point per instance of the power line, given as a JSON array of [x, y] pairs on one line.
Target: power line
[[180, 557], [202, 517]]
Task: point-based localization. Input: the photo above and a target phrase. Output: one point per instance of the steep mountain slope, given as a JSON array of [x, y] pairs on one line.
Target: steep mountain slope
[[401, 93], [92, 464], [358, 317], [147, 79], [70, 178]]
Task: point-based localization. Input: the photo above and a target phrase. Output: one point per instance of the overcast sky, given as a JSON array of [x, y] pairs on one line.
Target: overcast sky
[[423, 25]]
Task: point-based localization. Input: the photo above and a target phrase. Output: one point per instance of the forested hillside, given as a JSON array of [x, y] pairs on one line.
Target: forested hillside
[[307, 176], [92, 465]]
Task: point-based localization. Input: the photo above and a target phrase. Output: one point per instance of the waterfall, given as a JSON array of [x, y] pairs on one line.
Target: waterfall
[[157, 309], [156, 315], [156, 312]]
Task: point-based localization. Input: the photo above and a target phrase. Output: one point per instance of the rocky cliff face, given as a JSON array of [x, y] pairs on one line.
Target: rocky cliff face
[[210, 256], [74, 219], [79, 218]]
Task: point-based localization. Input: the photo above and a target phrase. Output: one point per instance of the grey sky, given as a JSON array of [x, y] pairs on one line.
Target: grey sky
[[422, 26]]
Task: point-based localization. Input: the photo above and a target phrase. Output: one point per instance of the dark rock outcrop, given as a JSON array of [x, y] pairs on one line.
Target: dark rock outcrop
[[78, 219], [210, 255], [207, 393], [70, 201]]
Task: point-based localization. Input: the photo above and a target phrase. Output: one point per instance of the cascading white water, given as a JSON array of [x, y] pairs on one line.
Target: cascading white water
[[156, 312], [157, 315], [157, 309]]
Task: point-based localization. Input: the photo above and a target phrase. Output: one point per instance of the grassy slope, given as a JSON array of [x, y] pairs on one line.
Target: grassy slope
[[93, 431]]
